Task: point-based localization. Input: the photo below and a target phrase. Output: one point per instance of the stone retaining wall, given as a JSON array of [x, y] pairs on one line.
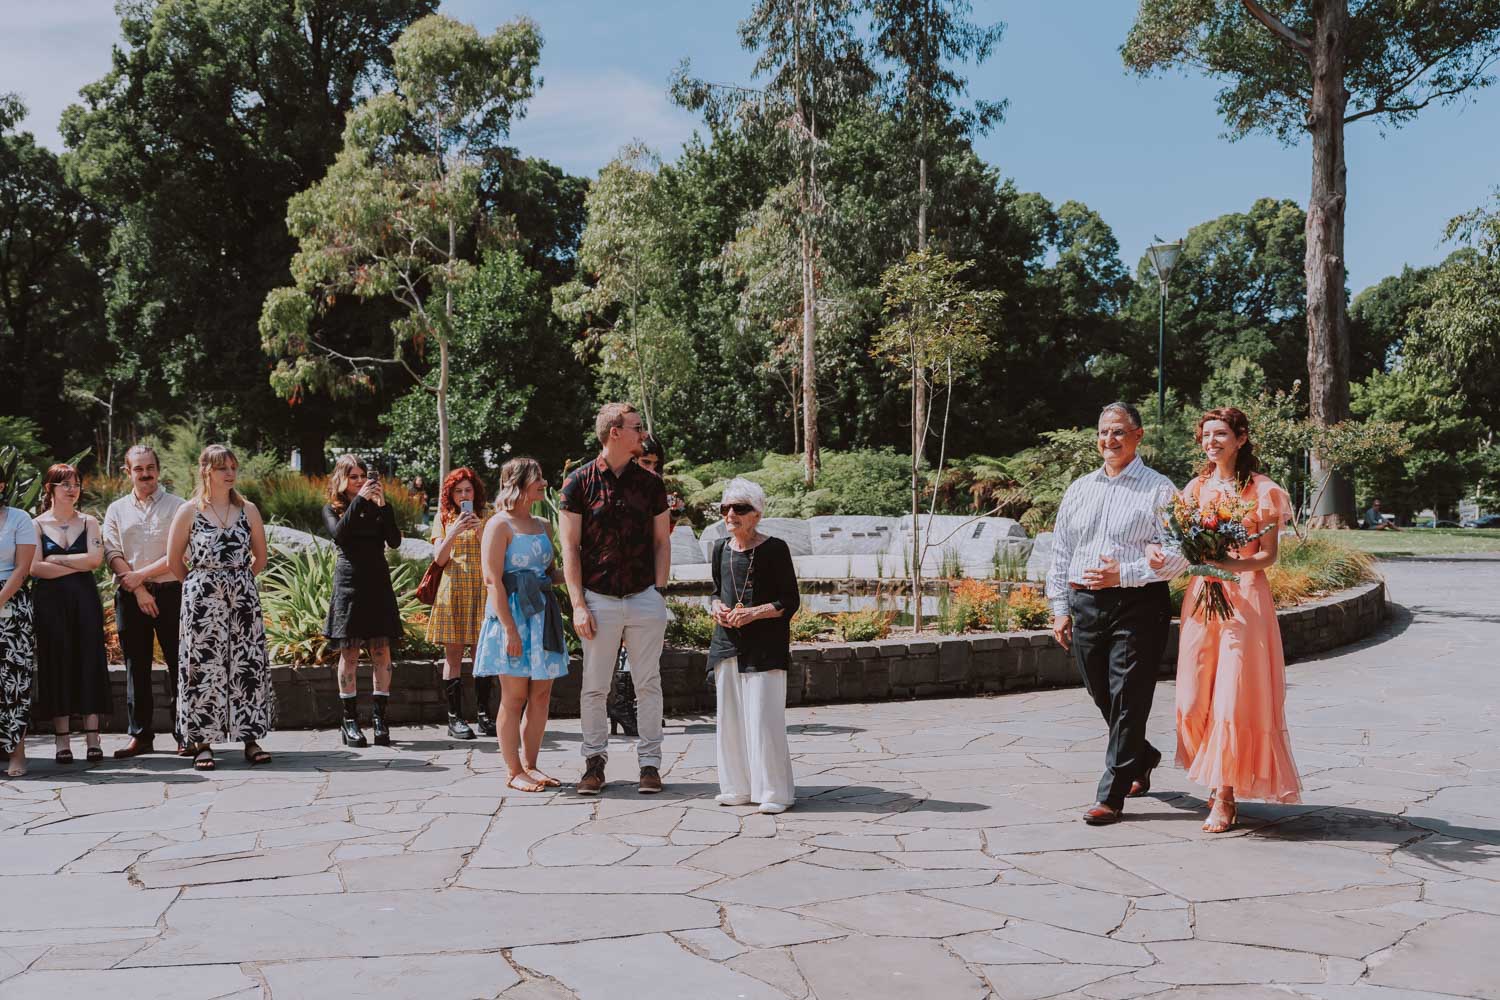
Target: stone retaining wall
[[940, 667]]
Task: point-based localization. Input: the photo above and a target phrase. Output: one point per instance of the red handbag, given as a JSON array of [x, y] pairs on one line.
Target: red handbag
[[427, 590]]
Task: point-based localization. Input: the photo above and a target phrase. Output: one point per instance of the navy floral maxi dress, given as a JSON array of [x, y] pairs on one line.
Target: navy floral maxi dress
[[224, 678]]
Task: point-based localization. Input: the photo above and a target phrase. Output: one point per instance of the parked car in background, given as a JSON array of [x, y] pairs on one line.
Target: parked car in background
[[1487, 521]]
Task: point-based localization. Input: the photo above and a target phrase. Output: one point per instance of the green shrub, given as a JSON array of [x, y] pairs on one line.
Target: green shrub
[[862, 626], [807, 626], [289, 499], [691, 627], [294, 595], [1028, 609]]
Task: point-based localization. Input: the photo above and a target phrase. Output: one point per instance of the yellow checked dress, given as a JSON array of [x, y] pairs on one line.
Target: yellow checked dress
[[459, 609]]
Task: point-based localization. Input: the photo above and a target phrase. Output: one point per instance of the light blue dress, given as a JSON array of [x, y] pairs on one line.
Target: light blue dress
[[533, 607]]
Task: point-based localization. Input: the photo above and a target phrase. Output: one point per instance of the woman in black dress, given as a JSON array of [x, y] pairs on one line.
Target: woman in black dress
[[755, 596], [69, 616], [363, 612]]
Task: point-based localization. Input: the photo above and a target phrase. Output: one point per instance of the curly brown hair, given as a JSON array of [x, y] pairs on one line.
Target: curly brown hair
[[447, 506]]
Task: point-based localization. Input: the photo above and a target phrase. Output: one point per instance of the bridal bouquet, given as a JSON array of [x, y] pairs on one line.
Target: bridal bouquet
[[1210, 532]]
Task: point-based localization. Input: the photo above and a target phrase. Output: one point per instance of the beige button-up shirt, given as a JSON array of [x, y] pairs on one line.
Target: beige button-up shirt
[[137, 531]]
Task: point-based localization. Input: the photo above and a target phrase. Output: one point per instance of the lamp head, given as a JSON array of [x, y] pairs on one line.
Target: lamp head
[[1164, 257]]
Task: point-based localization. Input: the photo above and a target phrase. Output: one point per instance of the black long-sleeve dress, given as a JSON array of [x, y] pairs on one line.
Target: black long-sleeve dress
[[363, 610], [762, 575]]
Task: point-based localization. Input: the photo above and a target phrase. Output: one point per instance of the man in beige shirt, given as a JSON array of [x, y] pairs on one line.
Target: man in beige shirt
[[149, 598]]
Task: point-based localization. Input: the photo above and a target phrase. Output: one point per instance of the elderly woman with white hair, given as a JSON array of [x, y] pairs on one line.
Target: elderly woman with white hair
[[755, 596]]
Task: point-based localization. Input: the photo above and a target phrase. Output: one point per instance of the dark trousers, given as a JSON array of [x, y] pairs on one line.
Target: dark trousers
[[1119, 636], [137, 630]]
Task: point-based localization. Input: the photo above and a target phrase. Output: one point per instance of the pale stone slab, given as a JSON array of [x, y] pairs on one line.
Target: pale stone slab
[[581, 849], [773, 967], [1085, 870], [1069, 836], [170, 815], [294, 885], [1073, 946], [798, 884], [515, 831], [77, 901], [1286, 922], [651, 965], [262, 864], [1244, 867], [36, 855], [447, 975], [903, 914], [761, 927], [865, 968], [588, 879], [988, 949], [81, 800], [1458, 953], [255, 796], [1209, 963], [1155, 925], [743, 855], [1059, 905], [711, 943], [97, 955], [414, 922], [1032, 982], [940, 860], [427, 870], [197, 982], [450, 831], [208, 847]]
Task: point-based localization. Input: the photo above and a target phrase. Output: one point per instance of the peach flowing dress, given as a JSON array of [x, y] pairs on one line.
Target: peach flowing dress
[[1231, 675]]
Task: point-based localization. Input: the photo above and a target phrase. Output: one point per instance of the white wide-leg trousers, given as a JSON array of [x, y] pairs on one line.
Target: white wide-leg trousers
[[754, 759]]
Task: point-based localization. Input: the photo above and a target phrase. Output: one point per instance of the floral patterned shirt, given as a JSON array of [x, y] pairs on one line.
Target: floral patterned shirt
[[618, 540]]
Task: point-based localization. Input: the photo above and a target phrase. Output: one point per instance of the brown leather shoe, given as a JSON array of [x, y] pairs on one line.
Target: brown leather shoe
[[650, 781], [134, 748], [1141, 785], [1101, 815], [592, 782]]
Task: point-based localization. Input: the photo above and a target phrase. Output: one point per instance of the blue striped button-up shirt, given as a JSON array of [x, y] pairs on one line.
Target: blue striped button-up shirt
[[1116, 517]]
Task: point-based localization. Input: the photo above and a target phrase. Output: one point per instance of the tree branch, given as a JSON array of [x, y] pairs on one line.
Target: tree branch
[[1380, 107], [1297, 43]]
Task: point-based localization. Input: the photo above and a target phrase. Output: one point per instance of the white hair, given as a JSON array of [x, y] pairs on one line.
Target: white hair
[[740, 490]]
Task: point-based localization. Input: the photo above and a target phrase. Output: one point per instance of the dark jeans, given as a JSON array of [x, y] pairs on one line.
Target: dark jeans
[[1119, 636], [137, 630]]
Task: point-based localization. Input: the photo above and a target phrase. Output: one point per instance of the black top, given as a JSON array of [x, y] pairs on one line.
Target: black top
[[68, 623], [767, 579], [363, 604], [618, 542]]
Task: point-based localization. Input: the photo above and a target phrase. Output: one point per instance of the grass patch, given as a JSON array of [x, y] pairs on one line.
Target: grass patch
[[1419, 541]]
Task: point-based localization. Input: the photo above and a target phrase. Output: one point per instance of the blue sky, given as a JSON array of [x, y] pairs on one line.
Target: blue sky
[[1146, 154]]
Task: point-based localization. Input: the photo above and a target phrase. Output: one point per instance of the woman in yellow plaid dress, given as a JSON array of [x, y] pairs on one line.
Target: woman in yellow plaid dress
[[459, 609]]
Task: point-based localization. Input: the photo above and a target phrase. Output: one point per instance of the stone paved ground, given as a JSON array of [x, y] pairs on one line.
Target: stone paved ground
[[935, 853]]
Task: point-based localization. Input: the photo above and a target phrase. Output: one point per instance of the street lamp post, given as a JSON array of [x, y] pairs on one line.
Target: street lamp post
[[1163, 259]]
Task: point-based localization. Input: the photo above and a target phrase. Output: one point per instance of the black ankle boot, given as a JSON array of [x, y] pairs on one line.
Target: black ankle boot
[[382, 735], [483, 688], [349, 728], [457, 727], [620, 706]]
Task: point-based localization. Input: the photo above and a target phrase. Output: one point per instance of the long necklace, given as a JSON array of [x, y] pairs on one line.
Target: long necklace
[[744, 587], [223, 521]]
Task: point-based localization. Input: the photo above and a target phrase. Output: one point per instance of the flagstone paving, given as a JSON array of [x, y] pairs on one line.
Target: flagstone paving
[[935, 853]]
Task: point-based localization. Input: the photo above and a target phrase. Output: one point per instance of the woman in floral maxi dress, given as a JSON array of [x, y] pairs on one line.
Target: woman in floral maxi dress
[[217, 545]]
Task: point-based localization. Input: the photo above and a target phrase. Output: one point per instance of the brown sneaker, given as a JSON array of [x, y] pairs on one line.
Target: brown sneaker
[[592, 782], [650, 781]]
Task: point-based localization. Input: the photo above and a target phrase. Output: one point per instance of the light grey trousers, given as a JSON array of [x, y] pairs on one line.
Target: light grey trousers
[[640, 621]]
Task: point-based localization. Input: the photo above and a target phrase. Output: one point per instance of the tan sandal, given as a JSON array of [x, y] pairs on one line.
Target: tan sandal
[[546, 780], [1231, 808], [527, 783]]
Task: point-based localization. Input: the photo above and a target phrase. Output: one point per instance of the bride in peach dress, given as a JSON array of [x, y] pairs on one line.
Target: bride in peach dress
[[1231, 675]]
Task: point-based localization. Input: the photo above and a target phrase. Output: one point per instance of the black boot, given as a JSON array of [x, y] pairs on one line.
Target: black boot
[[382, 735], [483, 688], [349, 729], [621, 704], [457, 727]]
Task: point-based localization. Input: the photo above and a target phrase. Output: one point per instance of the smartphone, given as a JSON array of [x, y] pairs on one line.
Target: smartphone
[[467, 506]]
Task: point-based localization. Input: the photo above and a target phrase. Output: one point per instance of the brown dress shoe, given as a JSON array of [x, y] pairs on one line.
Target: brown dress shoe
[[1101, 815], [650, 781], [592, 782], [134, 748]]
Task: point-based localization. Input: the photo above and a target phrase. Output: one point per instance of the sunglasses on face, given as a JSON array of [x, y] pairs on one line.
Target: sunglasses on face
[[739, 508]]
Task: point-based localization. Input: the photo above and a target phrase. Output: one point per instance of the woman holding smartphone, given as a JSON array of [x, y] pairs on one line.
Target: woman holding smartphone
[[363, 612], [458, 610]]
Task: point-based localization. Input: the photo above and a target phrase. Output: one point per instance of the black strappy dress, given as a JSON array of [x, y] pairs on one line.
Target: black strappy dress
[[72, 667]]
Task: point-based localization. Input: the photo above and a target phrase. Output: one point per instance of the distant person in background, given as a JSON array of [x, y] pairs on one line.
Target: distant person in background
[[69, 617], [1375, 521], [458, 612], [419, 494], [522, 641], [363, 613], [148, 598], [217, 546], [17, 637]]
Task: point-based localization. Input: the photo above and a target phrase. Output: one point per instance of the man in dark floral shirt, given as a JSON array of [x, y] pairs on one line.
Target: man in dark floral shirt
[[617, 552]]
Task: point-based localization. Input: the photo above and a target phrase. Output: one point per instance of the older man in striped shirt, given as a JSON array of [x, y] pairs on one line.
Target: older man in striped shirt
[[1109, 607]]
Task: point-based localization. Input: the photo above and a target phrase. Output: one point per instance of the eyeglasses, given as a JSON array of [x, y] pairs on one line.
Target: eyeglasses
[[633, 427], [739, 508]]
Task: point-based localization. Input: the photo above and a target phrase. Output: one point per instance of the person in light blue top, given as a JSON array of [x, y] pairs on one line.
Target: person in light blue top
[[17, 638], [522, 640]]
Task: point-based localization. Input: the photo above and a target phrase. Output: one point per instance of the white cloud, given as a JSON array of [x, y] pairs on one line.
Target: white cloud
[[580, 121]]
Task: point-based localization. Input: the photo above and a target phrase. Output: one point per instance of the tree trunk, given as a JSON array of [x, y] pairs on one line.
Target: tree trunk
[[312, 440], [809, 368], [919, 373], [1327, 315], [442, 386], [916, 506]]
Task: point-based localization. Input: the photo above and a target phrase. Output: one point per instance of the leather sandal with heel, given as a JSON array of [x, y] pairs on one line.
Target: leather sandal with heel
[[92, 754]]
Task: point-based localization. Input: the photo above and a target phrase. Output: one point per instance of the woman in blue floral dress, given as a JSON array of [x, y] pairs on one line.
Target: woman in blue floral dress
[[522, 640]]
